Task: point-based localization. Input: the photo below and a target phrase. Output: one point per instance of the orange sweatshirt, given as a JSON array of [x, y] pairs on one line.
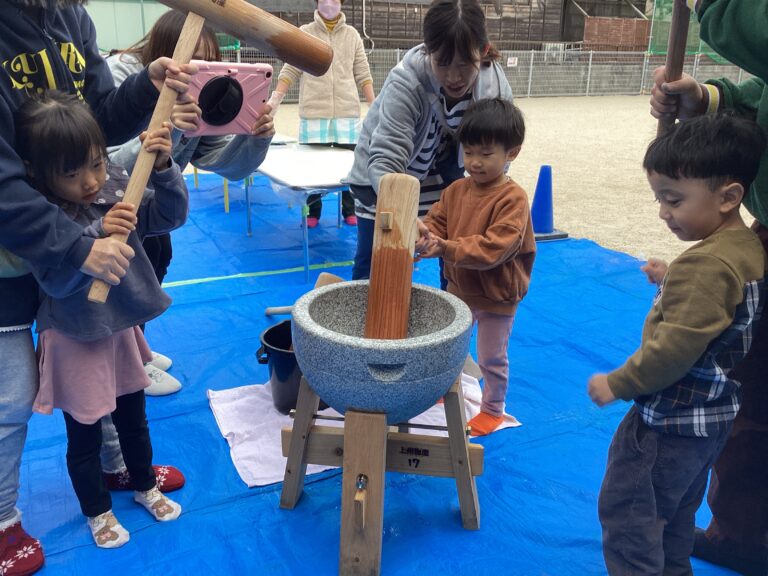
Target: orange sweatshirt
[[491, 246]]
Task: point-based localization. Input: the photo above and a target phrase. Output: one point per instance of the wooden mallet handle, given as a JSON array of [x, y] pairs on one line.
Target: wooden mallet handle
[[185, 48], [263, 30], [673, 66]]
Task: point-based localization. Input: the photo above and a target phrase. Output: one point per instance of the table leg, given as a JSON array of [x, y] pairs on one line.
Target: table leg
[[305, 232], [340, 193], [247, 185]]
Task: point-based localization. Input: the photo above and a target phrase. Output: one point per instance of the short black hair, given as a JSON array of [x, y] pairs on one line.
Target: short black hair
[[719, 147], [55, 134], [492, 121]]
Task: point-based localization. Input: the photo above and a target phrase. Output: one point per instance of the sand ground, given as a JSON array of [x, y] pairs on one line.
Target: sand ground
[[595, 146]]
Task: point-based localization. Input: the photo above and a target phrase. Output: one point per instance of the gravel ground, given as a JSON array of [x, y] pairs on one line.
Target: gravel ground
[[595, 146]]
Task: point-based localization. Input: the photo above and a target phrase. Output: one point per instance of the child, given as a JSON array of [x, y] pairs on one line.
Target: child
[[91, 356], [232, 157], [481, 228], [700, 327], [411, 126]]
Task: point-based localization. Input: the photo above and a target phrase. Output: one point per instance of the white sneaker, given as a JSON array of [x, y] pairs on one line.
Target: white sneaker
[[161, 361], [162, 382]]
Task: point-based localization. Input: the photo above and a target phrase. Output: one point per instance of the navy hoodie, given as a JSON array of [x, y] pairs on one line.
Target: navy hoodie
[[42, 49]]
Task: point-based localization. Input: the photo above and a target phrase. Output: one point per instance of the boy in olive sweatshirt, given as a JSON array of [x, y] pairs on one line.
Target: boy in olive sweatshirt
[[481, 228], [699, 328]]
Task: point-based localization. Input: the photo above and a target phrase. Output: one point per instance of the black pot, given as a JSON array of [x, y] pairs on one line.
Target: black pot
[[284, 374]]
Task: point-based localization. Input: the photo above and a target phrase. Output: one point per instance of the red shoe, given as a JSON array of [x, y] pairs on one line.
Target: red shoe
[[169, 478], [20, 554], [351, 220], [312, 222]]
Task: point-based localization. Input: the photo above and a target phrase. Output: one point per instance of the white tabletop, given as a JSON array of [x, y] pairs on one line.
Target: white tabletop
[[305, 166]]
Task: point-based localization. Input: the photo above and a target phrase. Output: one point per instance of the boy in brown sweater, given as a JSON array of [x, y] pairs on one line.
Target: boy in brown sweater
[[699, 328], [481, 227]]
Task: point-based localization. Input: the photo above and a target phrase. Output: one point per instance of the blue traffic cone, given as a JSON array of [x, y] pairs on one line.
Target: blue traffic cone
[[541, 211]]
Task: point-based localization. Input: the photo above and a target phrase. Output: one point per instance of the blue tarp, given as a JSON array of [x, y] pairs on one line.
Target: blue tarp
[[538, 494]]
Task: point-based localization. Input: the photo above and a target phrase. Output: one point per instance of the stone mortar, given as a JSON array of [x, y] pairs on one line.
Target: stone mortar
[[401, 378]]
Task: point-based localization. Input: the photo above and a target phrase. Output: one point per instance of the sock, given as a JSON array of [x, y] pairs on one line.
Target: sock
[[158, 504], [484, 423], [107, 532]]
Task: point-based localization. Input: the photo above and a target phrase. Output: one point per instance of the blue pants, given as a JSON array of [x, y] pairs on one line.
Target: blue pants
[[653, 485], [18, 388]]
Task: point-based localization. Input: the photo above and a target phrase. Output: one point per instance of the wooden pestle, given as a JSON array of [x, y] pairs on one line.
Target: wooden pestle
[[394, 240]]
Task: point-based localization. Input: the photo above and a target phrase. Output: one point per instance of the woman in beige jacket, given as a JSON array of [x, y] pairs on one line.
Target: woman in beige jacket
[[329, 105]]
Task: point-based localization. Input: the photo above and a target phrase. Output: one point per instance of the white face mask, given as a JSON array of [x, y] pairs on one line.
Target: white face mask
[[329, 9]]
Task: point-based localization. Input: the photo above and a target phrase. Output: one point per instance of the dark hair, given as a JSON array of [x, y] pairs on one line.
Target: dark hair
[[457, 27], [492, 121], [55, 134], [162, 38], [716, 147]]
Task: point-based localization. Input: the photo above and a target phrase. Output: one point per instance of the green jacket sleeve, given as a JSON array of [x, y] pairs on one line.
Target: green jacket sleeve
[[738, 31], [691, 312]]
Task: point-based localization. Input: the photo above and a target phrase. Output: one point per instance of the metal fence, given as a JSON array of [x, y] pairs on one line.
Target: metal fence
[[546, 73]]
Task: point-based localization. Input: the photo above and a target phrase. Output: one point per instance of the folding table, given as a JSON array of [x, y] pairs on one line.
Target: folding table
[[298, 171]]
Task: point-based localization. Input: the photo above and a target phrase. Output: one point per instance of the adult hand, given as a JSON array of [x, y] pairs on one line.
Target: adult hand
[[683, 99], [108, 260], [264, 127], [599, 391], [186, 114], [655, 269], [176, 76], [121, 219]]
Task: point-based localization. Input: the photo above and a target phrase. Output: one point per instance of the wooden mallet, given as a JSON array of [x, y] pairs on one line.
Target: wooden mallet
[[673, 66], [246, 22]]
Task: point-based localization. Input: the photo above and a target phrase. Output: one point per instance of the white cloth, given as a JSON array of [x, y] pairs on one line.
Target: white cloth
[[251, 425]]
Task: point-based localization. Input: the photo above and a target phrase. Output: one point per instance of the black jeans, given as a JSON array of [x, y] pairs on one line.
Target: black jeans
[[315, 205], [84, 445], [159, 251], [653, 485], [315, 201]]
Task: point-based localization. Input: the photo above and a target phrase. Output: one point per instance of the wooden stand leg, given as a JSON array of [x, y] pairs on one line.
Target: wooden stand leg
[[362, 493], [457, 437], [296, 466]]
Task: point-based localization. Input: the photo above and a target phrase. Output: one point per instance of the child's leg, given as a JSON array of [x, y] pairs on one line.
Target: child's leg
[[84, 466], [652, 487], [130, 420], [632, 536], [493, 332], [111, 455], [690, 454]]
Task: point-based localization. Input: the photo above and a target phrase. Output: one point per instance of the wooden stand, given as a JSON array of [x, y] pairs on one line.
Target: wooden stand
[[367, 447]]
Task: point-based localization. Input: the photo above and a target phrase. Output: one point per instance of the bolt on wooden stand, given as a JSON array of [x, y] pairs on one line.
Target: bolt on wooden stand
[[367, 446]]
